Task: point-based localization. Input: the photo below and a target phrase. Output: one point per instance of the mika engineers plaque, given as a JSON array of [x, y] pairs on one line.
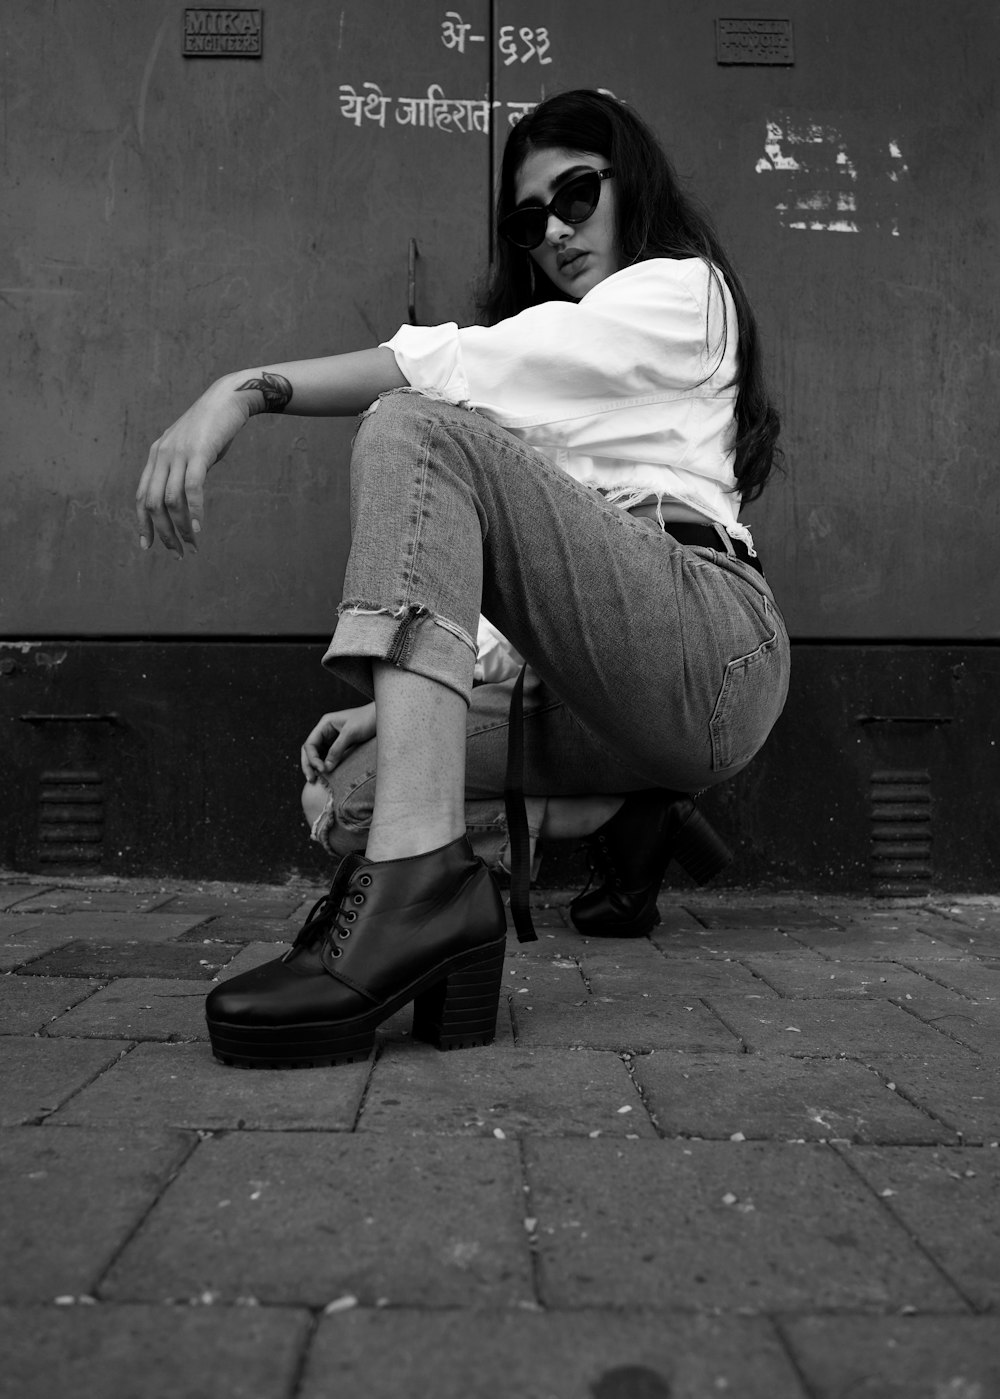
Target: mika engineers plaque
[[223, 33]]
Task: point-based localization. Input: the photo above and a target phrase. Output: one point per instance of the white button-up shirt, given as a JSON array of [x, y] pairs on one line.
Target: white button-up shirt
[[630, 389]]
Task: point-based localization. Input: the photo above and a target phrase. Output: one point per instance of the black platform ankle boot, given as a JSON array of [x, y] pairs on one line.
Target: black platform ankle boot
[[428, 929], [632, 852]]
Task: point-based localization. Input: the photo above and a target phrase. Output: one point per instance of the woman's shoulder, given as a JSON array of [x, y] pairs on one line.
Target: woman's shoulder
[[681, 302], [658, 277]]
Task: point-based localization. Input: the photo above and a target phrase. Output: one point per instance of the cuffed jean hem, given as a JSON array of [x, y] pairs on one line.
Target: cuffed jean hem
[[408, 637]]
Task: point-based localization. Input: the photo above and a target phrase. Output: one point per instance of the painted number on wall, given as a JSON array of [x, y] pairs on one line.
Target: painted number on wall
[[515, 44], [536, 44]]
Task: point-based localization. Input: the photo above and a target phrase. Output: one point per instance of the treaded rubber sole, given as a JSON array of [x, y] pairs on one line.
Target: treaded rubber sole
[[455, 1006]]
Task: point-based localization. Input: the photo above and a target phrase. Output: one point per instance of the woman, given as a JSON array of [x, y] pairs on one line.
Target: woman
[[573, 471]]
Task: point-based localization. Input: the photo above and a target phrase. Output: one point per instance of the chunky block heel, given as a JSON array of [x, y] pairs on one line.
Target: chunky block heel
[[699, 850], [461, 1010]]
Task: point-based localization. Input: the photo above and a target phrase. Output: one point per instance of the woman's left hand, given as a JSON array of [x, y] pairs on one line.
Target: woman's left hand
[[170, 496], [334, 737]]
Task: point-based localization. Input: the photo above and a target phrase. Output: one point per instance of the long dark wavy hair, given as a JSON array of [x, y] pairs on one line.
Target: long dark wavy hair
[[655, 218]]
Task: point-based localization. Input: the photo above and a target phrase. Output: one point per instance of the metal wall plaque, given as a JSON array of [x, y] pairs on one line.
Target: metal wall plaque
[[223, 33], [754, 41]]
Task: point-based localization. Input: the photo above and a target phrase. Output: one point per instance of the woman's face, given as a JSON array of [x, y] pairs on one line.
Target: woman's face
[[574, 256]]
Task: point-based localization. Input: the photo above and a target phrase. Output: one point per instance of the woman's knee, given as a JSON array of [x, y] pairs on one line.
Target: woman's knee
[[395, 415], [315, 798], [338, 821], [406, 420]]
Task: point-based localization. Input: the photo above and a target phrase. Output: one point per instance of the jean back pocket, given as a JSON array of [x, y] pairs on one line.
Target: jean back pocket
[[750, 700]]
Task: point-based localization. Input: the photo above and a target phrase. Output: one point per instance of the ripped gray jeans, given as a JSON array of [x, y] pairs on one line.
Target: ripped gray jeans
[[652, 663]]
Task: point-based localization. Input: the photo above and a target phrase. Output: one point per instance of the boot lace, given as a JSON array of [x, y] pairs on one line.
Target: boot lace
[[332, 915], [600, 864]]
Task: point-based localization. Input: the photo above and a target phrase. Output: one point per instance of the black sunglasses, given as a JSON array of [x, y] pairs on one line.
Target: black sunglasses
[[574, 203]]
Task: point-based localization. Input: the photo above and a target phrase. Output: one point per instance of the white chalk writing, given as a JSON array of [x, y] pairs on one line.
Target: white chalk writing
[[444, 113], [371, 104], [517, 110], [455, 33], [432, 111]]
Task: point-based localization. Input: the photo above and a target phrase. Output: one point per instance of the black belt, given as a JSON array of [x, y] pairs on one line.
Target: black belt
[[703, 536]]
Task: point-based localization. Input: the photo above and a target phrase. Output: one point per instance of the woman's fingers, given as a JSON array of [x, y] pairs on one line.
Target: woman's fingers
[[141, 508], [151, 501], [170, 500], [342, 744], [334, 737], [184, 499], [315, 747], [306, 764], [353, 727]]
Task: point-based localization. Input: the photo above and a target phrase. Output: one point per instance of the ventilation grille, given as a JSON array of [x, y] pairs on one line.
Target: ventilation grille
[[71, 818], [901, 834]]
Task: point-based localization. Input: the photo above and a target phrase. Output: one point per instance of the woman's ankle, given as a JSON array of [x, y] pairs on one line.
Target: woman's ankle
[[415, 838], [567, 818]]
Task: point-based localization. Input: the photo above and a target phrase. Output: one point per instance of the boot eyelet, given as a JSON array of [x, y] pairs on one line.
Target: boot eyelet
[[359, 898], [350, 914], [335, 951], [365, 880], [343, 932]]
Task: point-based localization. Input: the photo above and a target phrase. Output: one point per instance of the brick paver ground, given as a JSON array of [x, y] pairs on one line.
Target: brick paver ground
[[755, 1155]]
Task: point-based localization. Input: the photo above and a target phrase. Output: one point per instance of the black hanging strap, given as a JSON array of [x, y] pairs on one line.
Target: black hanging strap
[[517, 818]]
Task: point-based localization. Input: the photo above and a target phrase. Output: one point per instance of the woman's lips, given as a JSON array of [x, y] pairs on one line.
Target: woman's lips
[[572, 262]]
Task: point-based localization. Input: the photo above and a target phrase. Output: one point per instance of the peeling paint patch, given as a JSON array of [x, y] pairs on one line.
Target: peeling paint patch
[[898, 168], [50, 660], [23, 646], [830, 226], [774, 157], [829, 184]]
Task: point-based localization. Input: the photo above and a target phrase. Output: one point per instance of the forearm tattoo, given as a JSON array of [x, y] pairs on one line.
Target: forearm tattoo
[[276, 389]]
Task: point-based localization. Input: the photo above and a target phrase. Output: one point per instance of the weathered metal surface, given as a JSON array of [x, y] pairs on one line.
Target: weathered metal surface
[[164, 220], [856, 193]]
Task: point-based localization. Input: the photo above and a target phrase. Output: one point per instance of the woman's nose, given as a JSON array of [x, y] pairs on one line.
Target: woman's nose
[[556, 231]]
